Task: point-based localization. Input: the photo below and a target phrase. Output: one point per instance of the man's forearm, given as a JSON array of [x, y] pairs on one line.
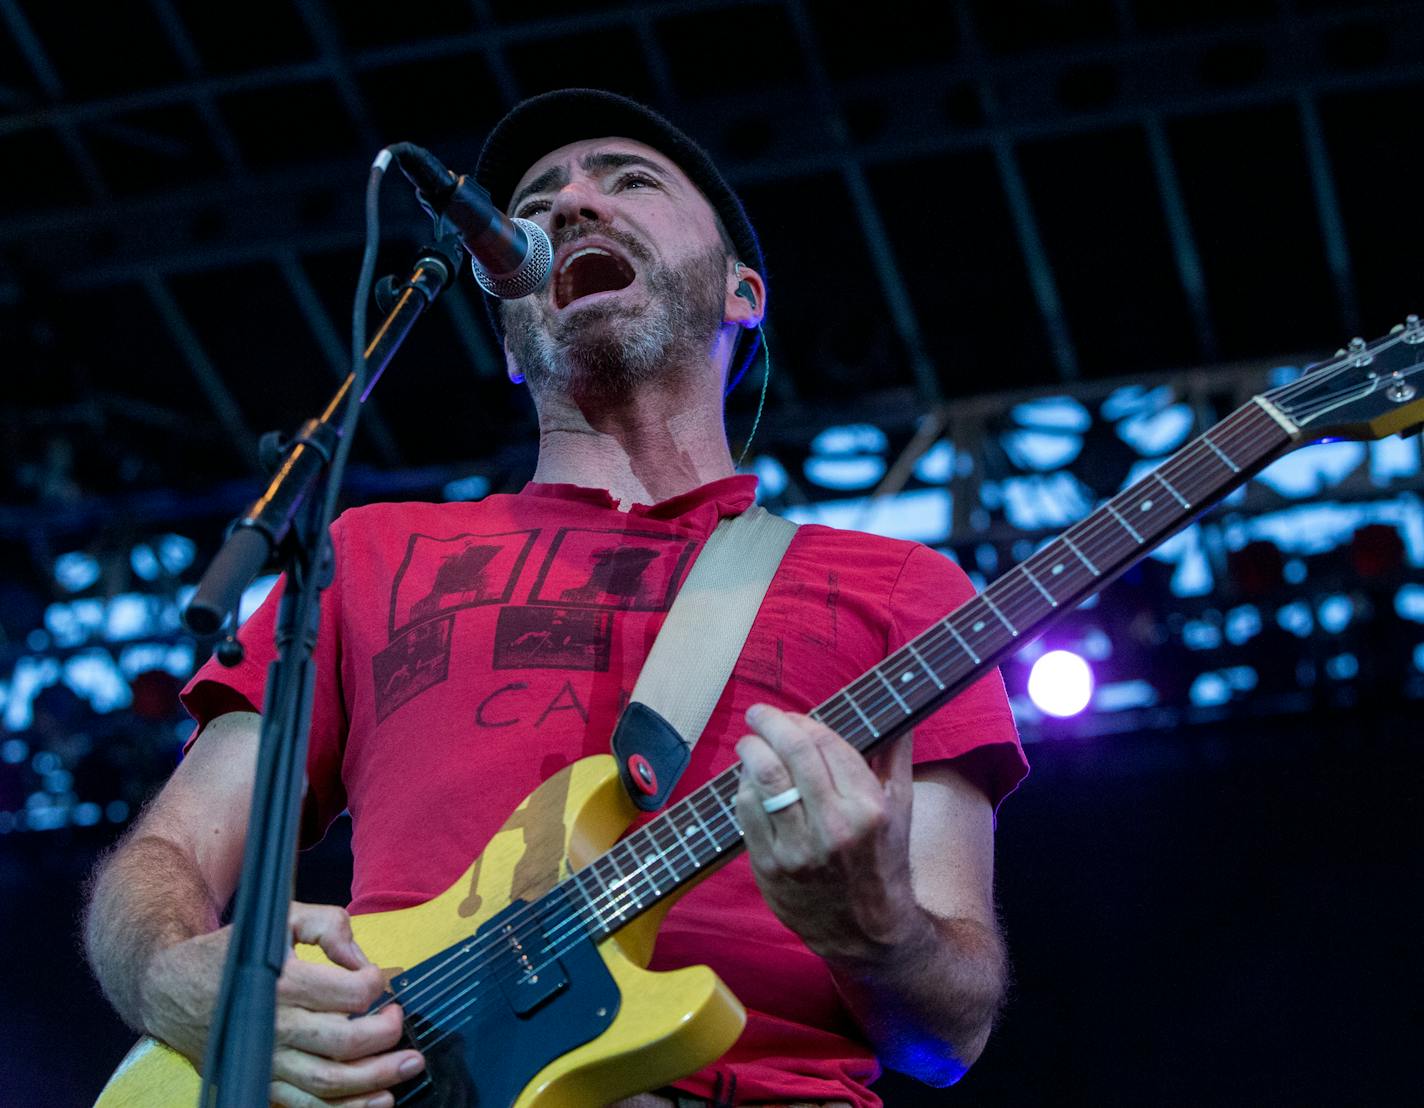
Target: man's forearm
[[928, 1002], [147, 895]]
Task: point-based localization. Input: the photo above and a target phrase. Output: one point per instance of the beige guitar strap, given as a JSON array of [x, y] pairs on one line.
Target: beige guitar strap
[[694, 653]]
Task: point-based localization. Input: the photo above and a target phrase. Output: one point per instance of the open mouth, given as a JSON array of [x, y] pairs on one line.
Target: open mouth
[[588, 270]]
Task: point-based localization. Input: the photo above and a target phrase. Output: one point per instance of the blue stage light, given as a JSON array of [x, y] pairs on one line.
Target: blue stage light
[[76, 571], [474, 487]]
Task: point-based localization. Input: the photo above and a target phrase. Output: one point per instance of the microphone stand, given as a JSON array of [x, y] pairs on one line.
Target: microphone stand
[[285, 520]]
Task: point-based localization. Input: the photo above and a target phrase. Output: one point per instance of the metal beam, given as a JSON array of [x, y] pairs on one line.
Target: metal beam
[[48, 77], [656, 62], [1327, 207], [494, 53], [1159, 71], [1040, 270], [877, 240], [444, 46], [209, 380], [893, 410], [909, 135], [328, 43], [263, 214], [144, 227], [1179, 233], [182, 43]]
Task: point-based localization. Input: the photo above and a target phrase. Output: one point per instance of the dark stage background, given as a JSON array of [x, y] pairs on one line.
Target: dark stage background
[[1018, 253]]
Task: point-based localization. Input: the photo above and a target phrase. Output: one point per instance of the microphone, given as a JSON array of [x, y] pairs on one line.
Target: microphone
[[510, 257]]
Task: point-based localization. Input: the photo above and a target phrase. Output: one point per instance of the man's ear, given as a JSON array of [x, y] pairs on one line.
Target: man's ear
[[746, 297], [509, 367]]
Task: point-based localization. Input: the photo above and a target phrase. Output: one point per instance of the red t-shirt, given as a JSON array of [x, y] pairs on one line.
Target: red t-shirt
[[469, 651]]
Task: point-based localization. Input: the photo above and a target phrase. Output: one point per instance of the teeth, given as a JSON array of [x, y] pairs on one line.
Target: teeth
[[581, 253]]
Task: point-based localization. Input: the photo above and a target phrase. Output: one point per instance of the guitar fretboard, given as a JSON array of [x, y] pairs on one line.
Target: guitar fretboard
[[702, 830]]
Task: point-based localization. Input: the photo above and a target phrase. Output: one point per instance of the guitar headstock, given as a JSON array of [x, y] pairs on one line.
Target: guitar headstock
[[1369, 390]]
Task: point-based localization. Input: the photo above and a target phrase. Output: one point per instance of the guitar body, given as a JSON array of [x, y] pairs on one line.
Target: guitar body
[[617, 1028]]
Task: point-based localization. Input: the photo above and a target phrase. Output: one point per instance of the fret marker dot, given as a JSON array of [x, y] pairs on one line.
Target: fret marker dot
[[649, 859], [979, 626], [906, 676], [687, 832], [1057, 569], [1146, 504]]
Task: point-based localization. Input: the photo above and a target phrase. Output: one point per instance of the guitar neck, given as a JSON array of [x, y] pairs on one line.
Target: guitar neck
[[701, 830]]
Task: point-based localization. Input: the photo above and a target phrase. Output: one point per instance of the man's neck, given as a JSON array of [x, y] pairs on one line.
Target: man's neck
[[642, 450]]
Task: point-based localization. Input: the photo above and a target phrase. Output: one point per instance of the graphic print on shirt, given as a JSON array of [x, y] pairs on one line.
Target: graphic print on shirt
[[443, 575], [586, 577], [626, 570], [418, 660], [533, 637]]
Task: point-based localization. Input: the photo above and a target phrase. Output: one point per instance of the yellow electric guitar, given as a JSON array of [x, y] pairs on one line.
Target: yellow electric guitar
[[531, 992]]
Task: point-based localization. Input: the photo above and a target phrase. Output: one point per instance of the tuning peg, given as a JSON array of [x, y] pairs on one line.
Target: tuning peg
[[1413, 329], [1359, 351]]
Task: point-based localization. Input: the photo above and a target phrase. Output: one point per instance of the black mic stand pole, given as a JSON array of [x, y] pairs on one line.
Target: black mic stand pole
[[284, 520]]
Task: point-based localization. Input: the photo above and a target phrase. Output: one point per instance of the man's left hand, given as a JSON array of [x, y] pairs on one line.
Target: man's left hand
[[835, 865]]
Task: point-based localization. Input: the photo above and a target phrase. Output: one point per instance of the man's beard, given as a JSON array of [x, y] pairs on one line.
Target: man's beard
[[607, 351]]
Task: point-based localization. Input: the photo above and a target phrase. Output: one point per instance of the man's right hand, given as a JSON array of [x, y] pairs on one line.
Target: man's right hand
[[322, 1055]]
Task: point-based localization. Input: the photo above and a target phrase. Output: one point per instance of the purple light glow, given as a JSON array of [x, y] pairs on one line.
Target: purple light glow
[[1060, 683]]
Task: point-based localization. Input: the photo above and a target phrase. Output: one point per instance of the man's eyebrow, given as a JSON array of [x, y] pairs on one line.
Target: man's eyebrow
[[596, 162], [604, 161], [555, 177]]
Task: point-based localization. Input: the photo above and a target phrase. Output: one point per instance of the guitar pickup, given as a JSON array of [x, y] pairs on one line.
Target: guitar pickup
[[527, 975]]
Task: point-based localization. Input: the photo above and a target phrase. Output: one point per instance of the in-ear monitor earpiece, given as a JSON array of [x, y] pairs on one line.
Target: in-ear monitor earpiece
[[744, 289]]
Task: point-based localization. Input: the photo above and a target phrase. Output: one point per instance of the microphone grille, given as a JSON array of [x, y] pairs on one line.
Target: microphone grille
[[533, 271]]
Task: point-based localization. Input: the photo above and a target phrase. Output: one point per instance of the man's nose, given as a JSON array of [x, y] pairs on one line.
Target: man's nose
[[577, 202]]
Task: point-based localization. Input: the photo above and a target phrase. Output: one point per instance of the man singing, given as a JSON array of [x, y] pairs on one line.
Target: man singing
[[468, 652]]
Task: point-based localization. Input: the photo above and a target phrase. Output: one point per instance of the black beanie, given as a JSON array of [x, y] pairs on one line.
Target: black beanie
[[546, 122]]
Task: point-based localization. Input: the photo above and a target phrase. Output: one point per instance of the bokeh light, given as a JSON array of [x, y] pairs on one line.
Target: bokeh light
[[1060, 683]]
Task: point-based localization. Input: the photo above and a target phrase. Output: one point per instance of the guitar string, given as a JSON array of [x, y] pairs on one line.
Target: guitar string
[[844, 717], [1008, 592], [577, 929], [1011, 589], [831, 718], [848, 717], [1316, 375], [412, 993], [557, 947], [876, 707], [600, 909], [467, 951], [1310, 381], [839, 722], [464, 1010]]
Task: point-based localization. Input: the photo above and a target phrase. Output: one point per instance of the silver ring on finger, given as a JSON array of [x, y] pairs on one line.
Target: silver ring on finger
[[781, 800]]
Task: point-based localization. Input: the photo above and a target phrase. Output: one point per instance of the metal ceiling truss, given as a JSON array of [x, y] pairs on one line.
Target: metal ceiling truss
[[269, 216]]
